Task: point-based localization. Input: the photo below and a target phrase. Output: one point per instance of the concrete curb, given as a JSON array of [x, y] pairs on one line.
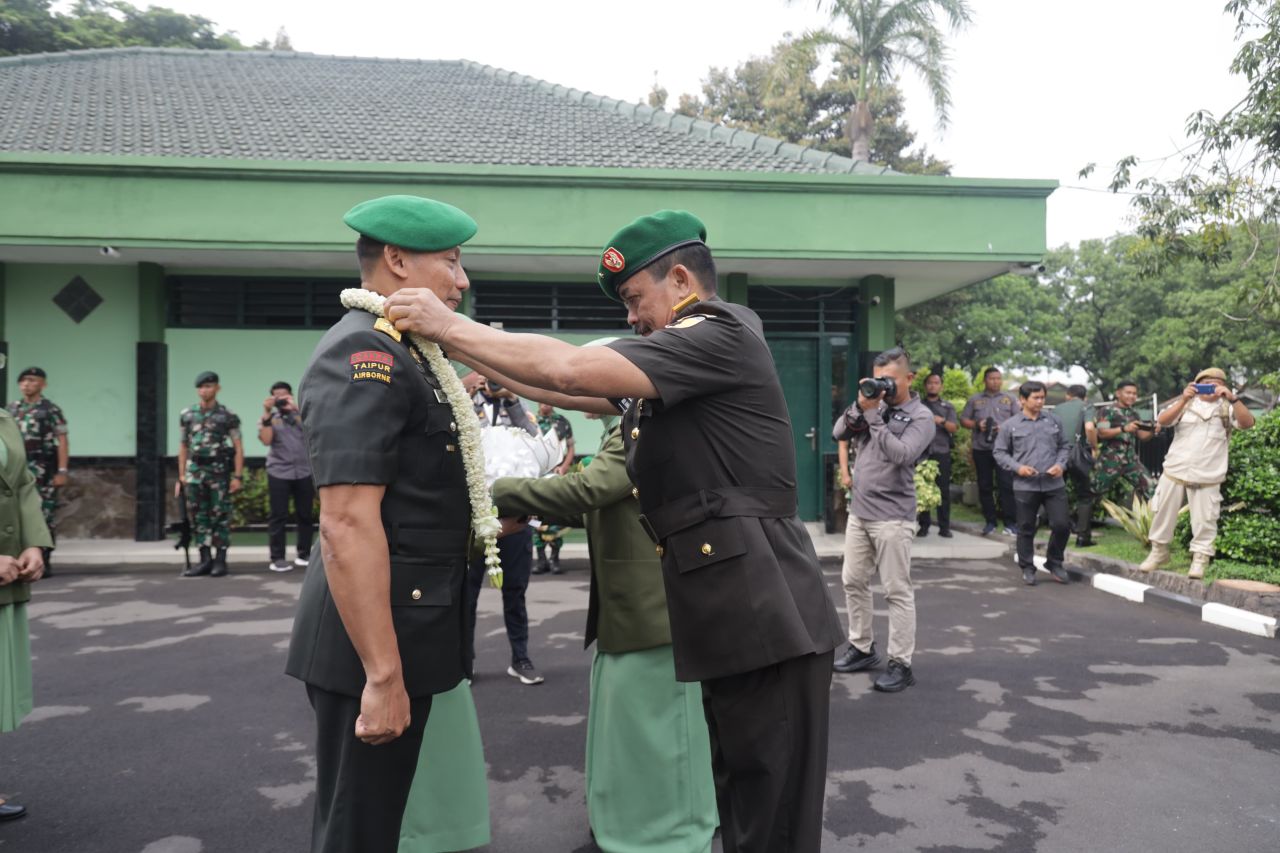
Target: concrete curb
[[1107, 574]]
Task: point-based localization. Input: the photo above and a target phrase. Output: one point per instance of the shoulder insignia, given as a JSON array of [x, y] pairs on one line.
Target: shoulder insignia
[[371, 366], [382, 324], [686, 322]]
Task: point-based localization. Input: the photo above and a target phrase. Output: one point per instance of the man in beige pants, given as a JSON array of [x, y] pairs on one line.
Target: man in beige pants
[[1195, 467], [889, 430]]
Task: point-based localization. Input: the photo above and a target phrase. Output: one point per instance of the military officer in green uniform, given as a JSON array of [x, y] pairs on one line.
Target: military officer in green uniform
[[44, 434], [210, 462], [709, 449], [649, 785], [1118, 474], [551, 534], [382, 620]]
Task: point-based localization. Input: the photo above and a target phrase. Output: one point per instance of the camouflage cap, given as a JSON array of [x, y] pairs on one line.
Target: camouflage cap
[[411, 222], [643, 242]]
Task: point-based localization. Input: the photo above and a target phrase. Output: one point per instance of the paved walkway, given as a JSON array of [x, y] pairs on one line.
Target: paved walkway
[[118, 554]]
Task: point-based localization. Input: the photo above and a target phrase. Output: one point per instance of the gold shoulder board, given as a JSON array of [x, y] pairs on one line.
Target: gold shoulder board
[[382, 324]]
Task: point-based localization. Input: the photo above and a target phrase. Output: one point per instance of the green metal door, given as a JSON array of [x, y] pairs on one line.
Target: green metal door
[[799, 362]]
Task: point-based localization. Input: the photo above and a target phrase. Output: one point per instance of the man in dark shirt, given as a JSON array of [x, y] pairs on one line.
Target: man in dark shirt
[[288, 476], [1032, 447], [709, 447], [946, 423], [983, 413], [381, 624], [888, 434]]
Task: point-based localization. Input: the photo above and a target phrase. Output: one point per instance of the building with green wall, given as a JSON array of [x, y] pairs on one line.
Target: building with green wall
[[170, 211]]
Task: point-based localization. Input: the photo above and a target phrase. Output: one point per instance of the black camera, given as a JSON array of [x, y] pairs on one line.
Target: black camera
[[282, 403], [987, 424], [878, 387]]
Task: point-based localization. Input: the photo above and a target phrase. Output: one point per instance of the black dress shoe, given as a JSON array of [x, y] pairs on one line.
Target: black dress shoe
[[11, 811], [1085, 542], [555, 568], [219, 568], [1029, 577], [203, 567], [541, 568], [945, 534], [896, 678], [855, 661], [1059, 574], [923, 531]]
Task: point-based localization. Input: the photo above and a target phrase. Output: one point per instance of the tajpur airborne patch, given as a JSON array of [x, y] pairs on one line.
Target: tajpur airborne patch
[[371, 366]]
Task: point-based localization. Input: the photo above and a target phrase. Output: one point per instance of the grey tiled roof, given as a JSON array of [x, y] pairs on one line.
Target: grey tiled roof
[[302, 107]]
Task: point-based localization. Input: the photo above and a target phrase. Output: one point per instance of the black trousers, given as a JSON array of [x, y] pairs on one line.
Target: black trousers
[[303, 492], [769, 754], [1055, 505], [516, 553], [984, 464], [361, 790], [944, 483], [1082, 512]]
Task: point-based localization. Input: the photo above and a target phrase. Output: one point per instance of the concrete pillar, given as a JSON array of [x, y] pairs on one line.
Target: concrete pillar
[[873, 330], [151, 405]]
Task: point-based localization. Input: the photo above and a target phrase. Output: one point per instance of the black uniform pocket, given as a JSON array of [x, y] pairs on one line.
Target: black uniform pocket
[[421, 583], [708, 543]]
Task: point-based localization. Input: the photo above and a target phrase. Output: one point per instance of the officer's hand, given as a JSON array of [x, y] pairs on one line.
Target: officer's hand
[[1055, 471], [1127, 427], [419, 310], [58, 481], [473, 382], [177, 488], [1027, 471], [1220, 392], [269, 405], [31, 565], [236, 485], [1189, 393], [845, 480], [939, 420], [384, 712], [9, 569], [867, 404]]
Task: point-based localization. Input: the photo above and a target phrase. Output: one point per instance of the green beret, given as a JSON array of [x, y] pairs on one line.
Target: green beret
[[411, 222], [208, 377], [643, 242]]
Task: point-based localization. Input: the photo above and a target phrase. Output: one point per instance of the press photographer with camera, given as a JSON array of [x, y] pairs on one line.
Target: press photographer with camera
[[288, 476], [498, 406], [888, 430]]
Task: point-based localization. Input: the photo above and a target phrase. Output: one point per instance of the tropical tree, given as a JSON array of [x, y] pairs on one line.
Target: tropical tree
[[884, 37]]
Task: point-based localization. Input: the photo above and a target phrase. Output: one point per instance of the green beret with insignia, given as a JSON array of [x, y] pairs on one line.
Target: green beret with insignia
[[643, 242], [411, 222]]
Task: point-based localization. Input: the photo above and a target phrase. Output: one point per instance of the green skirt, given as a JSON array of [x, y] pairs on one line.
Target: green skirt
[[448, 808], [649, 784], [15, 666]]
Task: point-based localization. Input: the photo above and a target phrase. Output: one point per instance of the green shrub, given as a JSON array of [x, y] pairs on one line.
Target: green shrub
[[251, 505], [1221, 569], [962, 470], [1250, 538], [1249, 529]]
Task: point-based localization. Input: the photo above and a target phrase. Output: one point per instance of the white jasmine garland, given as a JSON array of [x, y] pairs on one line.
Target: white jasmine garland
[[484, 515]]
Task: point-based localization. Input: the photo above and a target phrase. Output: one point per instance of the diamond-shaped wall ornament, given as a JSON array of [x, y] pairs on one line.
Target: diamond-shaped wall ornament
[[77, 299]]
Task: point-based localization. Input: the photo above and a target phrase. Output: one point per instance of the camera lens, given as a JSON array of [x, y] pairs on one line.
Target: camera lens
[[281, 402], [872, 388]]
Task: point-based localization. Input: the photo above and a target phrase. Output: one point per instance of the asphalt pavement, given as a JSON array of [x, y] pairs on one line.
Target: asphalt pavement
[[1053, 718]]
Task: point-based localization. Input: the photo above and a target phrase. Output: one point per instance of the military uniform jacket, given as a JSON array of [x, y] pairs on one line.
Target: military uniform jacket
[[374, 414], [628, 608], [714, 465], [41, 423], [209, 435], [21, 522]]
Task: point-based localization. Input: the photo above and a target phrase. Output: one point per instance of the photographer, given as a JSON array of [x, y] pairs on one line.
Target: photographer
[[1195, 467], [983, 414], [288, 475], [889, 430], [1033, 447], [498, 406]]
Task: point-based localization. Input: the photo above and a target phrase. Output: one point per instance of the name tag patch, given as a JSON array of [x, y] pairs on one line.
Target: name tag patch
[[371, 366]]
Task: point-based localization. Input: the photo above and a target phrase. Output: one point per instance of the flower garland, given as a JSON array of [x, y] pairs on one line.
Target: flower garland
[[484, 515]]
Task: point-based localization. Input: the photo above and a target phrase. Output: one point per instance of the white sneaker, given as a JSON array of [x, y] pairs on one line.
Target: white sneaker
[[280, 566], [301, 562]]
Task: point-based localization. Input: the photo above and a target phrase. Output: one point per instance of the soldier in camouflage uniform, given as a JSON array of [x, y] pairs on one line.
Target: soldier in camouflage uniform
[[551, 534], [1118, 474], [210, 459], [44, 432]]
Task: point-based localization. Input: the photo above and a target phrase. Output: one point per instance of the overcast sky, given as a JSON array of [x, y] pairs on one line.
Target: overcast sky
[[1039, 87]]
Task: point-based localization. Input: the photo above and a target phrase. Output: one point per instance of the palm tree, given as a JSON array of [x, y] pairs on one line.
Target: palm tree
[[884, 36]]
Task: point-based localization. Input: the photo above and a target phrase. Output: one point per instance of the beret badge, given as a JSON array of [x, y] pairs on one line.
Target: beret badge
[[612, 260]]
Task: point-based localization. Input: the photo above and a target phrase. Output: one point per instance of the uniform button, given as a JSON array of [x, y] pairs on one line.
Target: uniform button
[[416, 594], [635, 493], [453, 426], [707, 550], [635, 433], [660, 550]]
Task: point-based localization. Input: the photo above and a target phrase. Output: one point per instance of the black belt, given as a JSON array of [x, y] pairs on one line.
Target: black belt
[[730, 501]]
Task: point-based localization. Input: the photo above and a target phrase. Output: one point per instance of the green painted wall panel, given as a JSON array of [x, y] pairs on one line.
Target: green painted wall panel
[[91, 365]]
